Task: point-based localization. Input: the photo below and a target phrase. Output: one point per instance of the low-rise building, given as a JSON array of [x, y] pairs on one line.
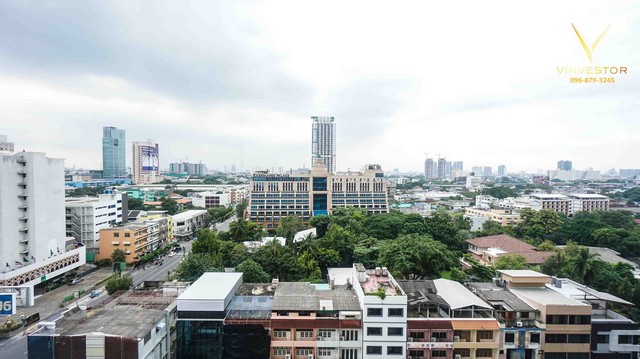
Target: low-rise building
[[505, 217], [588, 202], [136, 239], [211, 199], [488, 249], [187, 223]]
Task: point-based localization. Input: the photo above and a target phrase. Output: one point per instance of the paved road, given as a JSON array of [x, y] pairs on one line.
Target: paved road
[[49, 304], [224, 226]]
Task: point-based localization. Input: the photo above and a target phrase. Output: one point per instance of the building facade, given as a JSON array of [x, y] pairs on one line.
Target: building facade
[[114, 154], [5, 145], [273, 197], [187, 223], [429, 172], [136, 239], [32, 229], [565, 165], [323, 141], [192, 169], [588, 202], [211, 199], [146, 162]]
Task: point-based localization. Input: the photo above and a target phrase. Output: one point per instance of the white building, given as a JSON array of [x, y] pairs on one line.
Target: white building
[[473, 182], [384, 307], [146, 162], [187, 223], [323, 141], [211, 199], [86, 216], [485, 201], [6, 146], [32, 224], [588, 202]]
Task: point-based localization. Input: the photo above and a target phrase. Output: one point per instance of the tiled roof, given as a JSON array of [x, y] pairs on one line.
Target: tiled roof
[[512, 246]]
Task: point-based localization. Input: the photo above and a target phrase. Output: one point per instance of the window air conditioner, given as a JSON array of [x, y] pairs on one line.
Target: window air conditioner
[[310, 356], [456, 338], [434, 339], [458, 356], [519, 324], [319, 337], [342, 338], [287, 356], [410, 339]]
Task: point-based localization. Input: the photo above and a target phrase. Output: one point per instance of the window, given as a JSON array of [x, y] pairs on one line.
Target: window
[[485, 334], [534, 337], [374, 331], [394, 350], [509, 337], [349, 335], [440, 336], [629, 339], [484, 353], [416, 353], [395, 312], [417, 335], [578, 338], [555, 356], [324, 352], [555, 338], [463, 352], [395, 331], [374, 312], [306, 333], [279, 351], [577, 355], [325, 333], [304, 351], [127, 235], [280, 333], [374, 350], [116, 234], [438, 353], [604, 339]]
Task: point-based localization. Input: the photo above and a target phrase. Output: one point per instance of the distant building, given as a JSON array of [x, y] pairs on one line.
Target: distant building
[[473, 182], [565, 165], [502, 170], [457, 166], [588, 202], [488, 249], [136, 239], [32, 230], [6, 146], [487, 171], [273, 197], [477, 170], [192, 169], [504, 217], [114, 154], [188, 222], [442, 164], [555, 202], [629, 172], [323, 141], [146, 162], [429, 173], [210, 199]]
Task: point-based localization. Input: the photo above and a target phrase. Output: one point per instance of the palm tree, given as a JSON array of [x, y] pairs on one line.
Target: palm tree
[[583, 265], [308, 245]]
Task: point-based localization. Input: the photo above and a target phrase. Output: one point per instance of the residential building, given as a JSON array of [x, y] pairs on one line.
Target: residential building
[[191, 169], [187, 223], [488, 249], [136, 239], [442, 164], [273, 197], [146, 162], [477, 170], [629, 172], [505, 217], [5, 145], [554, 202], [457, 166], [473, 182], [114, 154], [86, 216], [323, 141], [484, 201], [135, 325], [429, 172], [211, 199], [384, 309], [566, 321], [564, 165], [612, 334], [502, 170], [32, 224], [588, 202], [487, 171]]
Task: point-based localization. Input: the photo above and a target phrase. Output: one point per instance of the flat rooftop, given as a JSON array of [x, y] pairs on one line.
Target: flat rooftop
[[188, 214], [211, 285], [375, 282], [127, 321], [304, 296], [522, 273], [546, 296], [494, 294], [548, 196], [588, 196]]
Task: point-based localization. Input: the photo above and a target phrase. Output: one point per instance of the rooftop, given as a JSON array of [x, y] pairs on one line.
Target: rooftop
[[545, 296], [588, 196], [212, 285], [583, 293], [496, 295], [304, 296], [548, 196], [188, 214], [503, 244], [522, 273], [375, 282]]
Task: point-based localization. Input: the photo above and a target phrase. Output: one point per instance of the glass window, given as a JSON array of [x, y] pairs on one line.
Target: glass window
[[603, 339], [509, 337], [374, 312], [534, 338], [438, 353], [484, 353], [485, 334], [396, 312], [395, 331], [417, 335], [374, 350], [577, 355], [374, 331], [394, 350], [416, 353]]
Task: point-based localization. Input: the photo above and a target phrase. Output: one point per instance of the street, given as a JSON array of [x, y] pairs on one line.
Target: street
[[48, 305], [224, 226]]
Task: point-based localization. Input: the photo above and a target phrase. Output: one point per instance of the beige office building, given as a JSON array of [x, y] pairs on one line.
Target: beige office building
[[146, 162]]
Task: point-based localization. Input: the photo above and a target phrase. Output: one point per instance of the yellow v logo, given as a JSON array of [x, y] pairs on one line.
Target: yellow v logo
[[589, 50]]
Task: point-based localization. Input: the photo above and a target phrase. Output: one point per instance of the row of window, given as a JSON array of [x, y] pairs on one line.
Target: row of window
[[373, 350], [567, 338], [568, 319], [391, 312], [390, 331], [434, 353], [126, 235]]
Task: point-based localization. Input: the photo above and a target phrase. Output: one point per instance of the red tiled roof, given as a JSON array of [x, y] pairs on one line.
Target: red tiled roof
[[512, 246]]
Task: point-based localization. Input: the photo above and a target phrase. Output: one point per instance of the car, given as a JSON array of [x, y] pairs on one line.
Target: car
[[171, 254], [76, 280], [94, 293]]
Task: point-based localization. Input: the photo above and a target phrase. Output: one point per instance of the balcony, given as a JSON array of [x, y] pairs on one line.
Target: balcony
[[21, 160], [24, 251], [23, 207], [24, 229], [24, 241], [23, 218], [22, 195]]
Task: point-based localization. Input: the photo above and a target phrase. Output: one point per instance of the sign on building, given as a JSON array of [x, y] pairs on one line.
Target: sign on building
[[7, 303]]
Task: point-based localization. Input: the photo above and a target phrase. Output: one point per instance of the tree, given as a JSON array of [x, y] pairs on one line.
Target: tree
[[170, 205], [321, 223], [441, 227], [196, 264], [240, 209], [288, 227], [116, 283], [118, 256], [242, 230], [500, 192], [584, 265], [415, 256], [252, 272], [136, 204], [511, 261]]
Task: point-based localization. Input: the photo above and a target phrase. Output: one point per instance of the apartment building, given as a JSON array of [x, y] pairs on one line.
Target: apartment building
[[211, 199], [146, 162], [384, 309], [505, 217], [588, 202], [187, 223], [554, 202], [86, 216], [273, 197], [136, 239], [566, 321]]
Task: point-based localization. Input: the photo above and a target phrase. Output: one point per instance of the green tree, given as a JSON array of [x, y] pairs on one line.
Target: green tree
[[500, 192], [241, 208], [252, 272], [441, 227], [321, 223], [116, 283], [170, 205], [415, 256], [511, 261], [288, 227], [196, 264], [584, 265], [118, 255], [136, 204], [242, 230]]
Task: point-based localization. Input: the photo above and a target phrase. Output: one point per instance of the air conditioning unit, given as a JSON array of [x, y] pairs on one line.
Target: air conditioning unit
[[287, 356], [540, 351], [318, 338], [434, 339], [456, 338], [458, 356], [519, 324], [410, 339], [342, 338], [310, 356]]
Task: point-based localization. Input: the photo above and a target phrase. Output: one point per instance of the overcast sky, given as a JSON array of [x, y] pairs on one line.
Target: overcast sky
[[471, 80]]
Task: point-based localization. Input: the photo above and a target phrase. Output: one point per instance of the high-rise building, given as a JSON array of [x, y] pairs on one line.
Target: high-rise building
[[447, 169], [114, 154], [442, 163], [477, 170], [146, 162], [323, 141], [502, 170], [5, 145], [429, 173], [32, 222], [457, 166], [487, 171], [565, 165], [192, 169]]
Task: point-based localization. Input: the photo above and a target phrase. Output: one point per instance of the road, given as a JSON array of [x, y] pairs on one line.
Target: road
[[16, 347], [224, 226]]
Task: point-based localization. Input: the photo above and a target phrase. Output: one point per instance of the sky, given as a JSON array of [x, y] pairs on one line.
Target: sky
[[237, 81]]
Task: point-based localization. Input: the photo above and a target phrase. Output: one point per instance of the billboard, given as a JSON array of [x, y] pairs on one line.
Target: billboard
[[150, 160], [7, 303]]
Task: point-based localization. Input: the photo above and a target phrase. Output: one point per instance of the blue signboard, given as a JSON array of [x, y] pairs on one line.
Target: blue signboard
[[150, 161], [7, 303]]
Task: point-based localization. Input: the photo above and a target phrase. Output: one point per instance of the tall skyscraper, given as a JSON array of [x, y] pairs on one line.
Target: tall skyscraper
[[429, 173], [487, 171], [565, 165], [323, 141], [146, 162], [442, 163], [457, 166], [32, 221], [114, 154], [502, 170]]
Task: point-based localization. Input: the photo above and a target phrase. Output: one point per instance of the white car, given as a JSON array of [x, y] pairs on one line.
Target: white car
[[171, 254]]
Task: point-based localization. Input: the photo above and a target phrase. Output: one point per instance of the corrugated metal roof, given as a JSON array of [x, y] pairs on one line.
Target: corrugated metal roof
[[303, 296], [491, 293], [457, 296]]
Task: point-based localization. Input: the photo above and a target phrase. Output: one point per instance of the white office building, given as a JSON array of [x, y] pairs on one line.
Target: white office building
[[32, 222], [211, 199], [187, 223], [86, 216], [323, 141]]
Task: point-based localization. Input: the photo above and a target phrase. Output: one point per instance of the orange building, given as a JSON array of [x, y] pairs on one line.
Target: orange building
[[135, 239]]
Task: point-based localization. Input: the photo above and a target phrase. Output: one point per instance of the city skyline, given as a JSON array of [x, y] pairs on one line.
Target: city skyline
[[255, 84]]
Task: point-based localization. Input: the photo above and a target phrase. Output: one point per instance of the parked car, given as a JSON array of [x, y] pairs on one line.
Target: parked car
[[94, 293], [171, 254], [75, 280]]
